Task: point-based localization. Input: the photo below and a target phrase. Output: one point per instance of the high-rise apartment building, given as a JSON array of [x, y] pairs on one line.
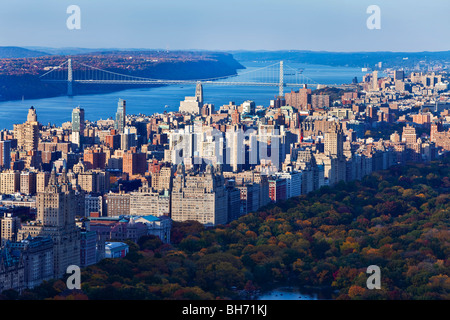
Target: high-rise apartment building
[[409, 135], [56, 210], [293, 183], [95, 181], [399, 75], [94, 158], [120, 122], [78, 120], [9, 181], [42, 179], [333, 158], [93, 203], [277, 189], [334, 141], [249, 195], [199, 93], [88, 248], [5, 154], [300, 99], [161, 179], [27, 134], [37, 255], [375, 86], [28, 182], [149, 202], [12, 270], [248, 107], [77, 126], [9, 227], [117, 204], [134, 162], [199, 196], [319, 101]]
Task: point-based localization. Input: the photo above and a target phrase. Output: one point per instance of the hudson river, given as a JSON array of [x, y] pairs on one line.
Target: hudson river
[[58, 110]]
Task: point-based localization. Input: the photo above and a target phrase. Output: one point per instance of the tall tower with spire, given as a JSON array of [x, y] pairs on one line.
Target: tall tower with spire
[[120, 122], [199, 93]]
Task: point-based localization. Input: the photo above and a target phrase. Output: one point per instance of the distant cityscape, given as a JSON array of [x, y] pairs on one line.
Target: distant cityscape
[[77, 193]]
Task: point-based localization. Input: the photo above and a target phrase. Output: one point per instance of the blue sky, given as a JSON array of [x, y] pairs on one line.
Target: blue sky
[[329, 25]]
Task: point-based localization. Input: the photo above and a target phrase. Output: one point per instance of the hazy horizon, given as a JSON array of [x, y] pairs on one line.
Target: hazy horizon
[[36, 48]]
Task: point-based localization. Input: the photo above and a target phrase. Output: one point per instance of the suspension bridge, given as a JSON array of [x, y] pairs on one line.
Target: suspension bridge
[[274, 75]]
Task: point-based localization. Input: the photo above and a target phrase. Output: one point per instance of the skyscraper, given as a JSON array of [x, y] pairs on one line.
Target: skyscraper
[[119, 123], [28, 182], [77, 126], [375, 81], [333, 158], [78, 120], [56, 209], [201, 197], [399, 75], [199, 93], [334, 141], [5, 154], [27, 134], [409, 135]]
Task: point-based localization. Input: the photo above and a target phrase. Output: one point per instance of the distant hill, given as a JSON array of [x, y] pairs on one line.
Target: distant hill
[[18, 52], [77, 50], [63, 51]]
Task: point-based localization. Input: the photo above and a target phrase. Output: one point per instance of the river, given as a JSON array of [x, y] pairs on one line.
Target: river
[[57, 110]]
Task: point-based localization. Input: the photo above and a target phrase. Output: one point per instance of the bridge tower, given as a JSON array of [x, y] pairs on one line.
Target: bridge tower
[[69, 78], [281, 85]]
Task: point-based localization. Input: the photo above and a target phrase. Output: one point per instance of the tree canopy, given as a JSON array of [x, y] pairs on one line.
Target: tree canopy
[[397, 219]]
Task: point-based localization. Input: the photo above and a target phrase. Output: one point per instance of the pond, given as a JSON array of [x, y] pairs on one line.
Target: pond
[[295, 293]]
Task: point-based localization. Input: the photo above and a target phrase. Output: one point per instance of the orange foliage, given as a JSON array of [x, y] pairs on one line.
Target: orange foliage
[[356, 291], [251, 234]]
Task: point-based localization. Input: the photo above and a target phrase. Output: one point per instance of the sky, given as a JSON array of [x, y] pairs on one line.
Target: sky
[[317, 25]]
